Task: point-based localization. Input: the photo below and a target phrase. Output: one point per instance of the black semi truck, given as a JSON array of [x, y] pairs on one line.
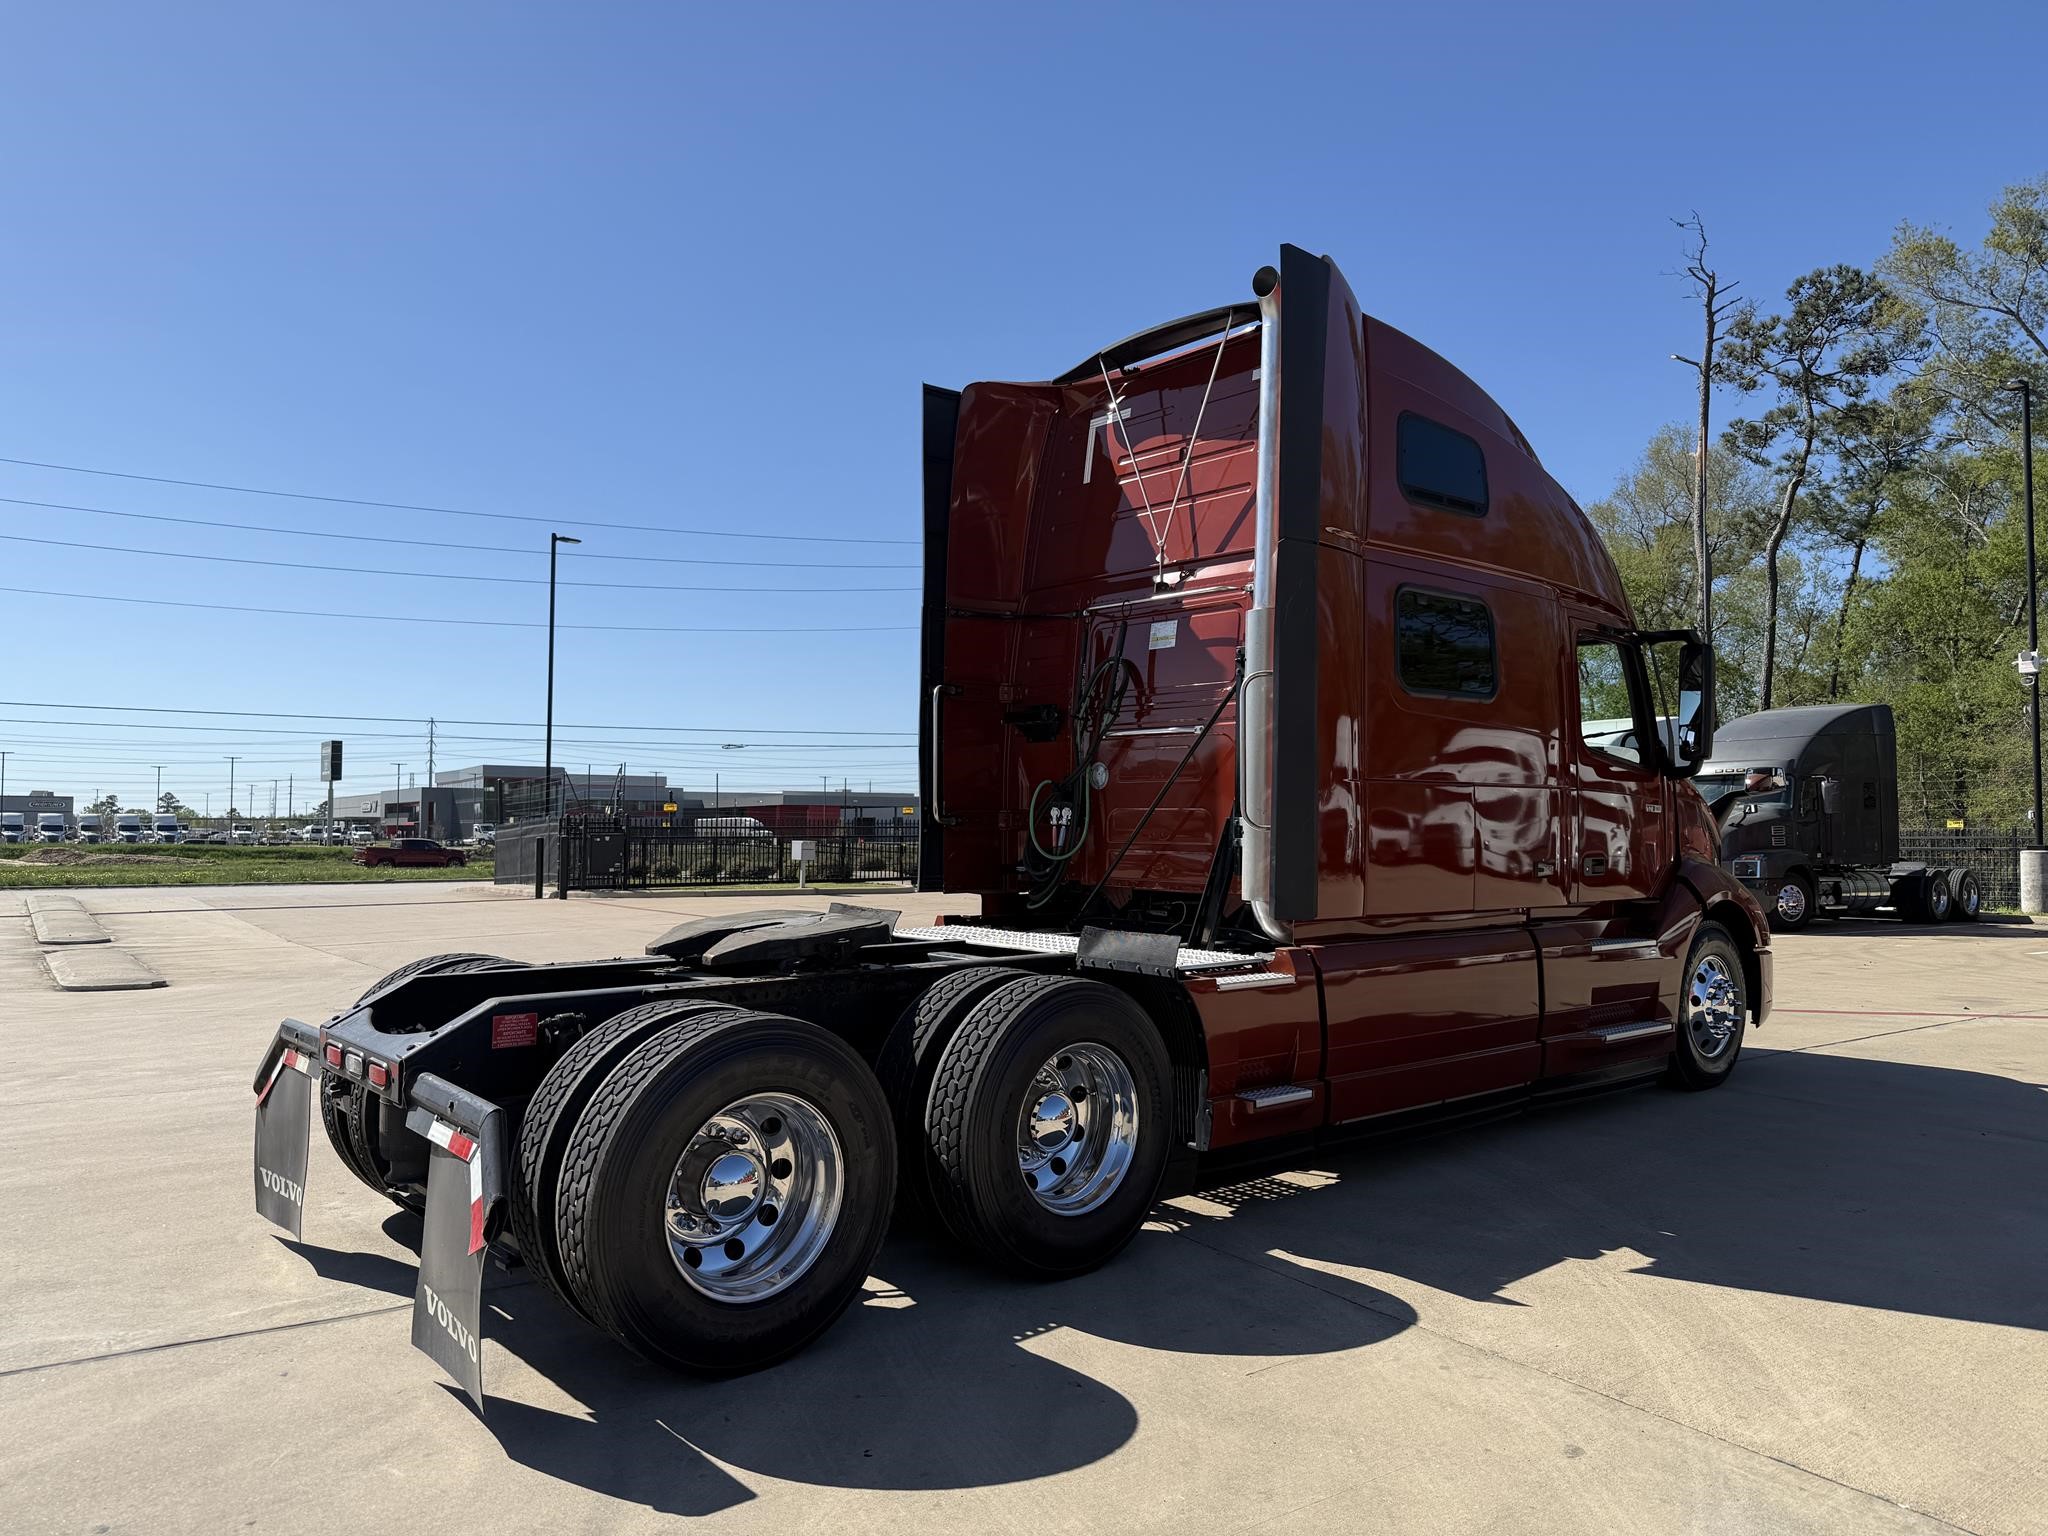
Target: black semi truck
[[1808, 805]]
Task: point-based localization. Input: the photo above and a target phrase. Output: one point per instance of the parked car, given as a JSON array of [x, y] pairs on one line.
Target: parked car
[[410, 853], [216, 836], [730, 826], [362, 837]]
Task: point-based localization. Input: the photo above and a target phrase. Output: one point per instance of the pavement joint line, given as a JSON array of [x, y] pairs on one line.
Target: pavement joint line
[[1886, 1034], [1415, 1321], [1895, 1013], [239, 1333]]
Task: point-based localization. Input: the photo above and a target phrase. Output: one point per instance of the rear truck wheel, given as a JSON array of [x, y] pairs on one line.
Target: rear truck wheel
[[1713, 1005], [1934, 899], [910, 1058], [1792, 902], [1968, 898], [1047, 1125], [347, 1109], [550, 1120], [724, 1193]]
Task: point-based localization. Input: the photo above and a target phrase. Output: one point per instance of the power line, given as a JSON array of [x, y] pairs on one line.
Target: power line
[[406, 506], [494, 549], [366, 570], [403, 618], [273, 714]]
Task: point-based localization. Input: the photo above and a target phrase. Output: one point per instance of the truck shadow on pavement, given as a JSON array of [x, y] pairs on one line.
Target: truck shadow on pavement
[[1865, 1183]]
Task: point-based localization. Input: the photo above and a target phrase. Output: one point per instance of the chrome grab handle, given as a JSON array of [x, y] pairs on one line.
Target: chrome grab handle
[[938, 807]]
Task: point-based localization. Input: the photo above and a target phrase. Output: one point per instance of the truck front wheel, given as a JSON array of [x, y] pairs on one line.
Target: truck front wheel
[[1713, 1004], [1792, 902], [726, 1189], [1047, 1125]]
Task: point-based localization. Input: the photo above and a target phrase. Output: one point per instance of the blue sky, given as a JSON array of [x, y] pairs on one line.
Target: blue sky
[[687, 266]]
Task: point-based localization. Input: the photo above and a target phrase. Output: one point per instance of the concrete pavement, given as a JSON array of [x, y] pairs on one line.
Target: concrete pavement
[[1811, 1301]]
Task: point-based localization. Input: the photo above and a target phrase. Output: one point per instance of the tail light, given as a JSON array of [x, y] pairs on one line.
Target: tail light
[[379, 1075], [334, 1057]]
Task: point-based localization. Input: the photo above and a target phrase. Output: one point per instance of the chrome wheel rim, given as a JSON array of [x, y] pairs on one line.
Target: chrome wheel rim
[[1077, 1129], [1713, 1006], [1937, 901], [1792, 901], [1970, 897], [754, 1198]]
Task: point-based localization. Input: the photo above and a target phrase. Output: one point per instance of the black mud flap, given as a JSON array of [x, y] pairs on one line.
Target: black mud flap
[[464, 1186], [284, 1117]]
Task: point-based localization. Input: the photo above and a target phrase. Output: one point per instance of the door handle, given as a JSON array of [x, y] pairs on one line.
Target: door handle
[[1545, 868], [1593, 865]]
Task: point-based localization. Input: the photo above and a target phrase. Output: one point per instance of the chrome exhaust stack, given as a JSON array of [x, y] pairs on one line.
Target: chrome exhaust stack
[[1255, 712]]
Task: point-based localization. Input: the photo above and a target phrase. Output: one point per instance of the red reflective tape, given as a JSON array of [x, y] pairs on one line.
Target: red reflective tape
[[476, 1204], [461, 1145], [270, 1082]]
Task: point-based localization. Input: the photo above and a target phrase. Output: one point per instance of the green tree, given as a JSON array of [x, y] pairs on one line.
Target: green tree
[[169, 804], [1839, 334], [106, 805]]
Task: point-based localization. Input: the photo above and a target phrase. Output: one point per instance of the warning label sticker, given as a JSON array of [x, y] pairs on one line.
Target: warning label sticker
[[1164, 633], [514, 1029]]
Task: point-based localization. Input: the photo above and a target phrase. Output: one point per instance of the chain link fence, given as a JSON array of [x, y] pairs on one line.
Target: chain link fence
[[1993, 855]]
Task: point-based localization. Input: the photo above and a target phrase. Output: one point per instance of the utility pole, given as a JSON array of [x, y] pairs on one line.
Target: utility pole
[[291, 793], [430, 752], [3, 780], [555, 541], [156, 806], [1714, 305], [397, 785], [231, 794]]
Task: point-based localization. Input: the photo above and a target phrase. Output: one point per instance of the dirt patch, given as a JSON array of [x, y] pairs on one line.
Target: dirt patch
[[88, 856]]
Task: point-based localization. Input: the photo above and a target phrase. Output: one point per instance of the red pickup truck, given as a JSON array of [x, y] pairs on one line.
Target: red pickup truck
[[410, 853]]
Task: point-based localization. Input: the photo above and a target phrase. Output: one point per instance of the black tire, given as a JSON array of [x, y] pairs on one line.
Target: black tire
[[616, 1171], [550, 1120], [345, 1105], [1967, 897], [1695, 1063], [1933, 899], [908, 1061], [1791, 906], [978, 1094]]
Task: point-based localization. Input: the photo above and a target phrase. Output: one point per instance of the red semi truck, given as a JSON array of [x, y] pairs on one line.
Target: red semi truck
[[1289, 722]]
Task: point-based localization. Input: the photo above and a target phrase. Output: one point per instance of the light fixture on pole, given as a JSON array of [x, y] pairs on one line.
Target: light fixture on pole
[[547, 751]]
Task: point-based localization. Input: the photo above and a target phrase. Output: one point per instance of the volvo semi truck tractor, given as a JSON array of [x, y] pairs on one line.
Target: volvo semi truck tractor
[[1808, 804], [1268, 698]]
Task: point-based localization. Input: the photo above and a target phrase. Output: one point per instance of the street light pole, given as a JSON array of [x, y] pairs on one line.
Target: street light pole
[[231, 797], [397, 785], [547, 771], [156, 806], [2033, 679]]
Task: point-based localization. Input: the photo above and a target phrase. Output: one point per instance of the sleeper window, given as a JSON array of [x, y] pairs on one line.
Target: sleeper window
[[1440, 466], [1444, 644]]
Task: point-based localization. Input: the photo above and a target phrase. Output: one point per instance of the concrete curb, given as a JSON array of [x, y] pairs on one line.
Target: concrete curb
[[99, 970], [61, 920]]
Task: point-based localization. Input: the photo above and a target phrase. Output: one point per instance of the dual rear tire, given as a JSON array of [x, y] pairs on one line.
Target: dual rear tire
[[711, 1184]]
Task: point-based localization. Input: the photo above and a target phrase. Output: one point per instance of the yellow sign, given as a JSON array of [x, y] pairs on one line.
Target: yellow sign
[[910, 810], [1955, 823], [668, 807]]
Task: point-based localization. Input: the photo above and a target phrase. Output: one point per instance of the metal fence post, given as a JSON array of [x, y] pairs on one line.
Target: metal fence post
[[540, 868]]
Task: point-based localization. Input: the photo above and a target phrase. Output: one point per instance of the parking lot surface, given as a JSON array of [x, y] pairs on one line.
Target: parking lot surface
[[1811, 1301]]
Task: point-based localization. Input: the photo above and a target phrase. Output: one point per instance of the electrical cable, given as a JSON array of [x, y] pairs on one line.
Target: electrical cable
[[406, 506], [368, 570], [493, 549], [406, 618]]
